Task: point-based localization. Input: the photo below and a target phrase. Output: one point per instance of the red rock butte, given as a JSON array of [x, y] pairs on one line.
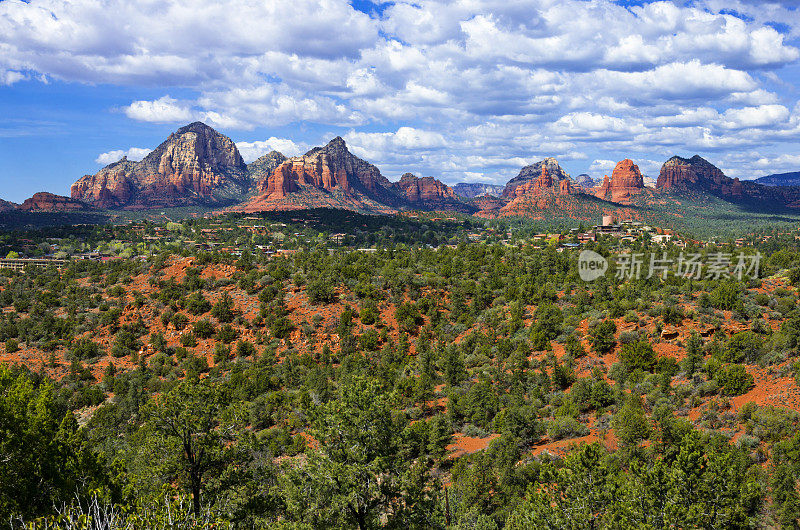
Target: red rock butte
[[626, 181]]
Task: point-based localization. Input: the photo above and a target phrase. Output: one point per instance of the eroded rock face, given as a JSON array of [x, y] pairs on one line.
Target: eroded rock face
[[49, 202], [697, 174], [6, 206], [533, 173], [261, 169], [195, 165], [417, 189], [604, 192], [625, 182], [329, 168], [565, 187], [692, 173], [429, 193]]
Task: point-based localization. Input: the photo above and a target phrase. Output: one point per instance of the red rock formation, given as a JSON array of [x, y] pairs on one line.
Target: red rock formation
[[263, 168], [329, 168], [626, 180], [6, 206], [195, 165], [429, 194], [328, 176], [565, 187], [489, 205], [694, 173], [604, 191], [533, 173], [282, 181], [697, 174], [545, 180], [417, 189], [48, 202]]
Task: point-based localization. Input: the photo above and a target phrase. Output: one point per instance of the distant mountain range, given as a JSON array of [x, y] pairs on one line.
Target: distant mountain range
[[198, 166], [470, 190], [780, 179]]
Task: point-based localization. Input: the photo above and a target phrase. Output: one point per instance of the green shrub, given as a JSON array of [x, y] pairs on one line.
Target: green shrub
[[638, 355], [601, 336], [734, 380], [196, 304], [566, 427], [203, 329], [83, 348], [188, 340], [179, 321], [245, 349], [227, 333], [320, 291], [744, 346]]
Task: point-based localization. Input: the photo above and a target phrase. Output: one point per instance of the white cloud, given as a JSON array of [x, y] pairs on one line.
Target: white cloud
[[9, 77], [381, 145], [602, 166], [475, 86], [163, 110], [762, 116], [252, 150], [134, 153]]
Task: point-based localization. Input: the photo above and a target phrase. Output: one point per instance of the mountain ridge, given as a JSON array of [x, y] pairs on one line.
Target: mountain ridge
[[198, 166]]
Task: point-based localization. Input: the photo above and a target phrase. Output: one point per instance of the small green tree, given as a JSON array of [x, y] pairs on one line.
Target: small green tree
[[630, 423], [638, 355], [223, 309], [364, 472], [186, 432], [734, 380], [601, 336]]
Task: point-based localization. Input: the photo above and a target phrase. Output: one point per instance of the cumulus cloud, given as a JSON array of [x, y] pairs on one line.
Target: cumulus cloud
[[9, 77], [252, 150], [460, 88], [602, 166], [163, 110], [134, 153]]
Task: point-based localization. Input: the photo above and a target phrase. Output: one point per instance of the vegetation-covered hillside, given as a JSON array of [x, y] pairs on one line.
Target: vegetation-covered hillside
[[328, 370]]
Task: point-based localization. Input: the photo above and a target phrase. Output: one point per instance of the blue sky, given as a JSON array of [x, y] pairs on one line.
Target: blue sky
[[461, 90]]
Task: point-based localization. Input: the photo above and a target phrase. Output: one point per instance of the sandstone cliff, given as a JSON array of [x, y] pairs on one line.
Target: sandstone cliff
[[195, 165], [262, 169], [428, 193], [694, 173], [6, 206], [698, 175], [626, 181], [533, 172], [328, 176], [328, 168], [48, 202]]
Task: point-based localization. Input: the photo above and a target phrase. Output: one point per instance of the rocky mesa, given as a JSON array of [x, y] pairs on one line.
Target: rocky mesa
[[44, 201], [429, 193], [331, 169]]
